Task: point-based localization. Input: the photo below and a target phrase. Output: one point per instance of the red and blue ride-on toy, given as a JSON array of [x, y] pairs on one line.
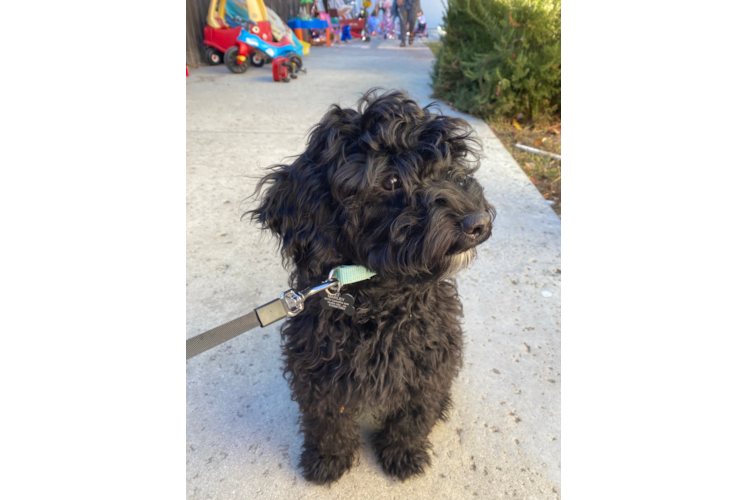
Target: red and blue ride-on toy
[[222, 32], [252, 40], [239, 34]]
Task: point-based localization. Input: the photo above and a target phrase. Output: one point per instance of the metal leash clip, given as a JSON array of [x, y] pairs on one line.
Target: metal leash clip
[[293, 303]]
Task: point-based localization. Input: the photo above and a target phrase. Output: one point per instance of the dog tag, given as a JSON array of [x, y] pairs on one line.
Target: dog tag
[[342, 302]]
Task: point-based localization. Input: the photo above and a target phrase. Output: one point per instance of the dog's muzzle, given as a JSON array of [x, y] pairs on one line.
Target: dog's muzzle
[[476, 227]]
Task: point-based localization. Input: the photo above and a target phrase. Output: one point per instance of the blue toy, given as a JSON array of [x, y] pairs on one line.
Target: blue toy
[[346, 34], [272, 49]]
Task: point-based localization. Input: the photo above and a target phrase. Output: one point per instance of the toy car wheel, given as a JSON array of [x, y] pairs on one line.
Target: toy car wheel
[[295, 62], [213, 56], [257, 59], [232, 64]]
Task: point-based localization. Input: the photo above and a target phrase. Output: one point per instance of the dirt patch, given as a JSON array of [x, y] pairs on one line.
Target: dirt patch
[[543, 171]]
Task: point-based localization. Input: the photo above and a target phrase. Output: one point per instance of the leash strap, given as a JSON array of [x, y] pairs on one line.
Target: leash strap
[[221, 334], [290, 304]]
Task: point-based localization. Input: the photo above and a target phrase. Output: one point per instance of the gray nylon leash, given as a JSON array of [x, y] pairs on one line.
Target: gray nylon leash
[[221, 334], [288, 305], [271, 312]]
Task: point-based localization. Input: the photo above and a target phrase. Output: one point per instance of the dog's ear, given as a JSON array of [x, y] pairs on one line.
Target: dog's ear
[[303, 203], [296, 206]]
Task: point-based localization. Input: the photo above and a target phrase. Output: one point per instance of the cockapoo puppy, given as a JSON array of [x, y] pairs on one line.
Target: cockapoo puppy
[[388, 186]]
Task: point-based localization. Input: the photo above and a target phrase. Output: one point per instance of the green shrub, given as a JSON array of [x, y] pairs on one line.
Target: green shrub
[[501, 57]]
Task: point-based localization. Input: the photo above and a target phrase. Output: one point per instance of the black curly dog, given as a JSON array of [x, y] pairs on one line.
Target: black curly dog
[[388, 186]]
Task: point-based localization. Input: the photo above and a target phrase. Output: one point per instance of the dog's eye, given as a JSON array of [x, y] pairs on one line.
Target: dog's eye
[[392, 182]]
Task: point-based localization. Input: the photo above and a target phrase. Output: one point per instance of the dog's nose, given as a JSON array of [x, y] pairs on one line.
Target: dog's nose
[[476, 224]]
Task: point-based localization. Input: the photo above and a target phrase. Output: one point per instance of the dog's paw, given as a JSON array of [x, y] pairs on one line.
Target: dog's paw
[[321, 469], [401, 461]]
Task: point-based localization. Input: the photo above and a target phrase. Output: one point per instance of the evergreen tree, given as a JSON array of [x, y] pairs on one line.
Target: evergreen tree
[[501, 57]]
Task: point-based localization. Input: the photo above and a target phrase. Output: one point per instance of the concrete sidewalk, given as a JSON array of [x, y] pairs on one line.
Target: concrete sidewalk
[[503, 437]]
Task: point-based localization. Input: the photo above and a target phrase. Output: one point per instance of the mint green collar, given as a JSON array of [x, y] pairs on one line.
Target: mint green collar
[[351, 274]]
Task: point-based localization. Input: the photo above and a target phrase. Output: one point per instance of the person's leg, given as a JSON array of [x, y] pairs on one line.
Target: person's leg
[[412, 23], [415, 9], [403, 24]]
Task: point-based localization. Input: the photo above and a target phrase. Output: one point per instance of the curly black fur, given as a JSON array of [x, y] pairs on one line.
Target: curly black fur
[[337, 204]]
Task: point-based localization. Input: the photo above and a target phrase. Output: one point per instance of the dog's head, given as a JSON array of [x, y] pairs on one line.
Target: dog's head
[[388, 186]]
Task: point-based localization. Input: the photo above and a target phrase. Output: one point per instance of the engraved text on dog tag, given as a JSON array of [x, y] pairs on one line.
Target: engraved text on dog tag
[[343, 302]]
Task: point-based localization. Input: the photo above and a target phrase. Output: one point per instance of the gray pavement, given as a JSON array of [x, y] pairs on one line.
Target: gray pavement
[[503, 437]]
